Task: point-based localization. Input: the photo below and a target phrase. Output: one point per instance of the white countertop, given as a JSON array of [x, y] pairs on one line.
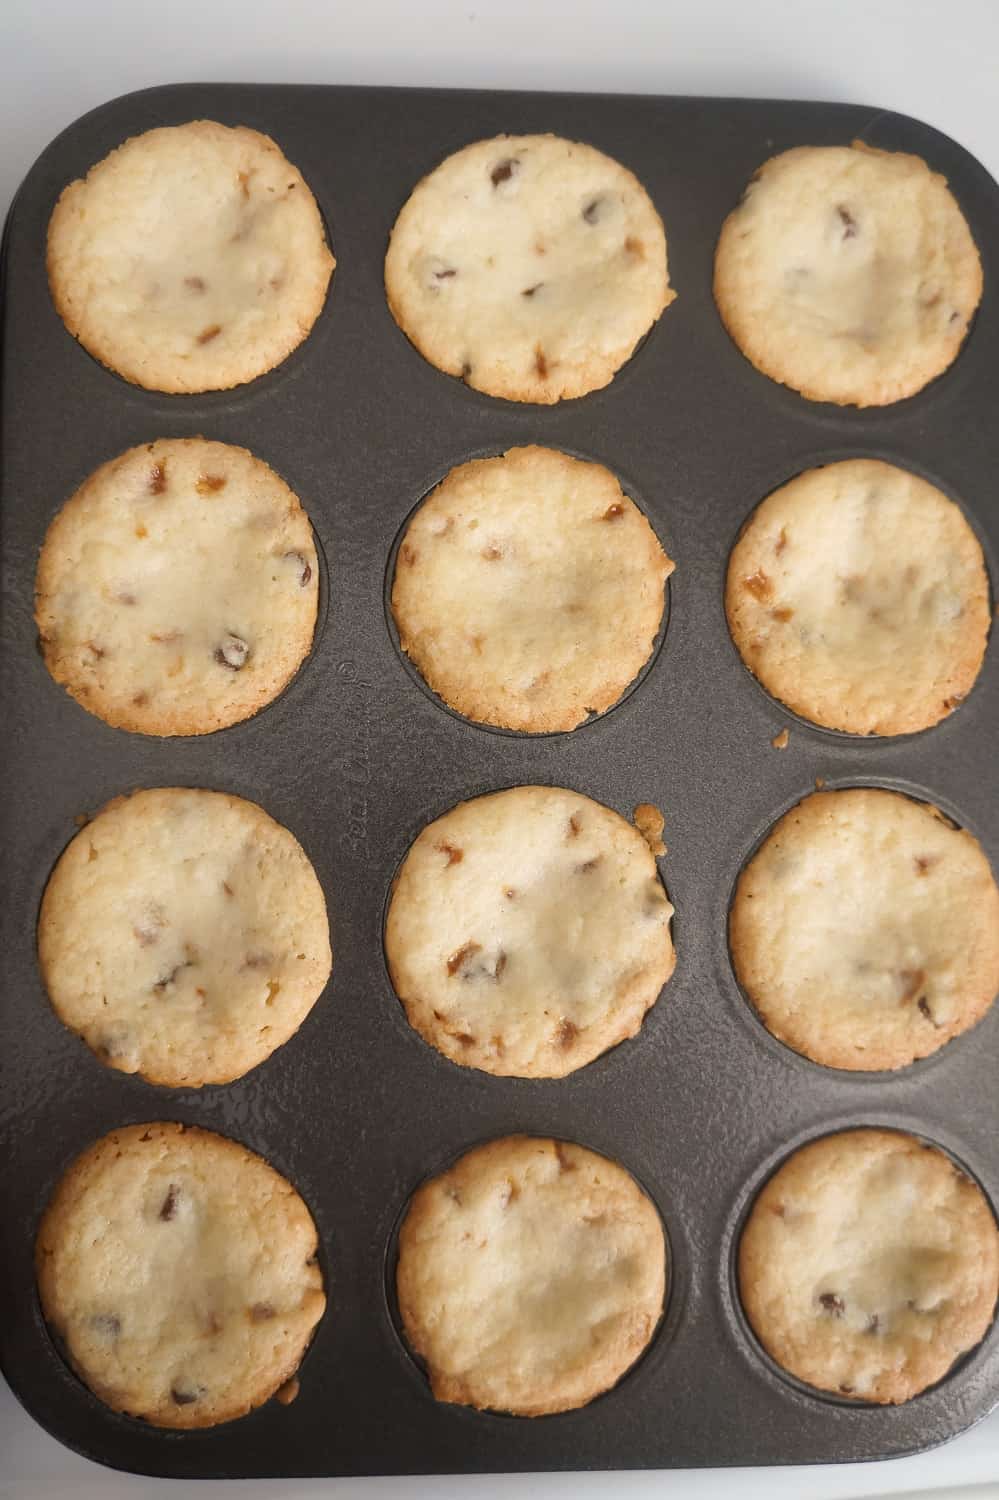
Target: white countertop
[[937, 59]]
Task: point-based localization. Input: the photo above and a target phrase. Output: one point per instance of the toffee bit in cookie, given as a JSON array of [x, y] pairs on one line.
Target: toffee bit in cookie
[[208, 334], [157, 479], [508, 1193], [454, 854], [162, 985], [168, 1208], [261, 1312], [258, 960], [565, 1034], [565, 1162], [783, 614], [232, 653], [848, 222], [634, 247], [910, 982], [504, 170], [210, 484], [613, 512], [759, 585], [781, 542], [302, 566], [575, 825], [492, 553], [458, 960], [541, 363], [925, 862], [832, 1304], [195, 283]]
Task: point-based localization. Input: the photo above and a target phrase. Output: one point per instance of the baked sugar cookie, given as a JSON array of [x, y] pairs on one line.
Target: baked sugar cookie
[[179, 1271], [865, 929], [193, 258], [529, 265], [531, 1276], [528, 931], [177, 589], [848, 273], [529, 589], [183, 935], [869, 1264], [858, 595]]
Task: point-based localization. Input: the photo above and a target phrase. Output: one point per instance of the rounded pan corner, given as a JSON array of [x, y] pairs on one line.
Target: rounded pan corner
[[887, 127], [100, 129]]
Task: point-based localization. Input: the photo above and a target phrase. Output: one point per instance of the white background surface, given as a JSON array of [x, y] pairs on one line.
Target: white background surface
[[938, 59]]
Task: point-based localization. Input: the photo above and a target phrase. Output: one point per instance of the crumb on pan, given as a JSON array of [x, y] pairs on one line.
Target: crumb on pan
[[650, 823]]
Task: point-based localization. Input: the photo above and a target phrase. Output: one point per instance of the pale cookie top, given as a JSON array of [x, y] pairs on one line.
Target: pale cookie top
[[177, 589], [848, 273], [179, 1270], [183, 935], [865, 930], [868, 1264], [857, 594], [529, 589], [531, 1276], [529, 265], [528, 932], [192, 258]]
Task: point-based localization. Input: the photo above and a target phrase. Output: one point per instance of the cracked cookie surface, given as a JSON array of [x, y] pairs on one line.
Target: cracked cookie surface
[[177, 589], [857, 594], [865, 929], [869, 1264], [531, 1276], [179, 1271], [183, 935], [848, 273], [530, 266], [528, 589], [192, 258], [528, 932]]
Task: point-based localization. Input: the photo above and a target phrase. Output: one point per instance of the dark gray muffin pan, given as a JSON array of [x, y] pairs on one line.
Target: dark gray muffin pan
[[356, 756]]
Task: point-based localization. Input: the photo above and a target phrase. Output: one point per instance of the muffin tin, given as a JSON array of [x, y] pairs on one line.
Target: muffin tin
[[354, 758]]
